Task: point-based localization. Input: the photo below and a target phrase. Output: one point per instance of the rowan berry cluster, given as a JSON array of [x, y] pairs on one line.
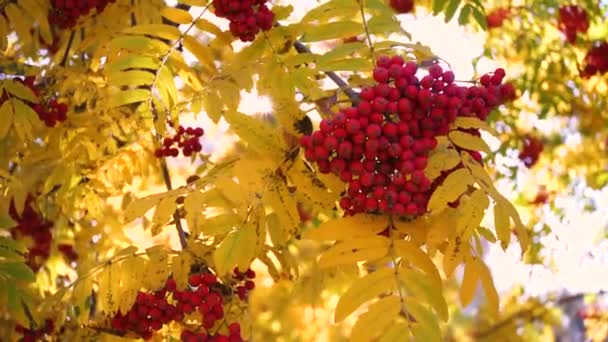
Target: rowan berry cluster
[[572, 20], [32, 335], [495, 18], [50, 112], [185, 138], [531, 150], [203, 294], [245, 284], [247, 17], [65, 13], [402, 6], [596, 60], [380, 146], [30, 224], [68, 251]]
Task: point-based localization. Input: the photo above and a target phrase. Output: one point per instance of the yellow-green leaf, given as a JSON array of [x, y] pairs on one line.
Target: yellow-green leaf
[[133, 62], [20, 90], [420, 286], [466, 122], [164, 210], [455, 184], [377, 318], [131, 77], [237, 249], [469, 141], [427, 327], [334, 30], [6, 118], [257, 133], [200, 51], [488, 286], [358, 226], [162, 31], [364, 289], [353, 250], [502, 224], [127, 97], [180, 269], [176, 15], [347, 64]]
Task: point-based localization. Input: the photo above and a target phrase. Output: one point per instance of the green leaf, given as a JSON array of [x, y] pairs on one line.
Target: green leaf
[[480, 17], [451, 10], [438, 6], [350, 64], [335, 30], [237, 249], [463, 18], [17, 271]]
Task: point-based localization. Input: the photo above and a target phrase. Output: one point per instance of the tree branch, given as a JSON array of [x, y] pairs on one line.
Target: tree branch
[[524, 312], [352, 95], [176, 215]]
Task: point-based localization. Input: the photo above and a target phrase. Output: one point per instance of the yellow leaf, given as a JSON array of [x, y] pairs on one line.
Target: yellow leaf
[[377, 318], [129, 96], [416, 230], [176, 15], [6, 118], [258, 134], [364, 289], [136, 43], [471, 214], [520, 229], [427, 327], [440, 227], [441, 160], [193, 205], [472, 122], [130, 77], [132, 62], [347, 64], [284, 205], [455, 184], [162, 31], [420, 286], [165, 209], [157, 268], [237, 249], [479, 173], [24, 119], [397, 332], [353, 250], [486, 234], [132, 273], [125, 251], [20, 21], [470, 280], [334, 30], [20, 90], [310, 186], [332, 9], [82, 291], [488, 286], [229, 92], [358, 226], [218, 225], [180, 269], [417, 257], [502, 224], [455, 251], [469, 141], [275, 230], [201, 52]]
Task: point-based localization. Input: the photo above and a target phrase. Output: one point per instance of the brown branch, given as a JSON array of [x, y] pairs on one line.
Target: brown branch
[[525, 312], [352, 95], [64, 60], [176, 215]]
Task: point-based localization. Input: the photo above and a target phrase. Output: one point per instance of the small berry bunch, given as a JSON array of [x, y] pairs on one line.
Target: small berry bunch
[[68, 251], [380, 146], [245, 282], [30, 224], [65, 13], [247, 17], [572, 20], [532, 148], [596, 60], [32, 335], [152, 310], [186, 138], [402, 6], [50, 112], [495, 18]]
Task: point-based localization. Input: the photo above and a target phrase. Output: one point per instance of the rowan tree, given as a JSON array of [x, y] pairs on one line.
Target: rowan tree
[[368, 196]]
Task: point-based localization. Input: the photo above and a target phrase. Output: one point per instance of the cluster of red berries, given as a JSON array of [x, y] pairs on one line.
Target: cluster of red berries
[[50, 112], [596, 60], [185, 138], [572, 20], [65, 13], [68, 251], [402, 6], [495, 18], [245, 284], [531, 150], [30, 224], [32, 335], [380, 146], [247, 17], [234, 330], [204, 294]]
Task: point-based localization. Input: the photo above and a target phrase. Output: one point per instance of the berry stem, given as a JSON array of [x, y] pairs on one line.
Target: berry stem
[[367, 34], [66, 54]]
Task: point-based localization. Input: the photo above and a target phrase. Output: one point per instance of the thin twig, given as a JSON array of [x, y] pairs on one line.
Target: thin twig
[[176, 215], [369, 37], [352, 95], [64, 60], [524, 312]]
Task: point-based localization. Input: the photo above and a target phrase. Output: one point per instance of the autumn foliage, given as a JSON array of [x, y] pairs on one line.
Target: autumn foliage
[[142, 197]]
